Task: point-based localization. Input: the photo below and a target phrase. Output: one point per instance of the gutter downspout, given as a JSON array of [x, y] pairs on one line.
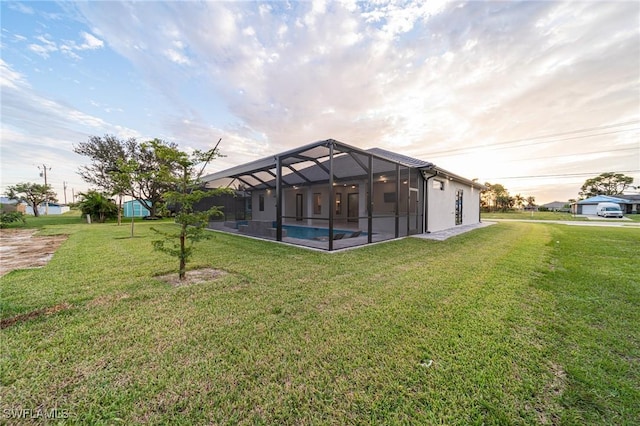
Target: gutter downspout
[[426, 200]]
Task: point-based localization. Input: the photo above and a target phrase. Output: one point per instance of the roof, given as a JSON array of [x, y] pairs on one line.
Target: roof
[[311, 164], [555, 204], [399, 158], [604, 199]]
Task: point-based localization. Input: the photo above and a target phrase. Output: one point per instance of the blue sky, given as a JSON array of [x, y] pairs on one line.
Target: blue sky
[[538, 96]]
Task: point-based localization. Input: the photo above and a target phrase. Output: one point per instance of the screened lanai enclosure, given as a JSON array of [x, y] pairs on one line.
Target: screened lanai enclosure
[[328, 195]]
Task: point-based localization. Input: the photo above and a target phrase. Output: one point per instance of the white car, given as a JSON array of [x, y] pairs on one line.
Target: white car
[[609, 210]]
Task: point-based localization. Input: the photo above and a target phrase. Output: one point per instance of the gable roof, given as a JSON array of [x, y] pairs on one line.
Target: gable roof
[[555, 204], [603, 199]]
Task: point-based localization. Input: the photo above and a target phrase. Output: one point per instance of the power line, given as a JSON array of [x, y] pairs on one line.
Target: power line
[[578, 154], [551, 135], [493, 146], [560, 175]]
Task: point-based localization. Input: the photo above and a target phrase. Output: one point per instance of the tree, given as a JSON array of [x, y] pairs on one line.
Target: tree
[[97, 205], [518, 200], [125, 167], [531, 201], [494, 197], [609, 183], [33, 194], [187, 191]]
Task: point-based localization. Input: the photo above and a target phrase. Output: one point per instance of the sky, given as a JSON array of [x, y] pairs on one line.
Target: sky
[[536, 96]]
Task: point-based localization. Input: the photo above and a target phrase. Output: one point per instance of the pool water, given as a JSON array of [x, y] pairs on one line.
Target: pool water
[[310, 233]]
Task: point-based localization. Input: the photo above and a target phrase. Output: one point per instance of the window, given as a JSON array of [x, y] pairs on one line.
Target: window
[[338, 203], [438, 184], [389, 197], [261, 202], [317, 203]]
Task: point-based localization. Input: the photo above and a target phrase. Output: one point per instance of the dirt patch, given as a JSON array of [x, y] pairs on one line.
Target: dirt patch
[[20, 249], [197, 276], [8, 322]]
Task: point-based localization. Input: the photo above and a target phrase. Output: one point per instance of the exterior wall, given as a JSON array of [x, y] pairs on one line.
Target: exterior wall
[[134, 209], [53, 209], [441, 205], [269, 212]]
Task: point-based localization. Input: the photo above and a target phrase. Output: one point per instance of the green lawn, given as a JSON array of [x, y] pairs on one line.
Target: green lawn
[[516, 323], [527, 215]]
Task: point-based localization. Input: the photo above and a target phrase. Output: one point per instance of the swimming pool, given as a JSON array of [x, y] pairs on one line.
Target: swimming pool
[[311, 233]]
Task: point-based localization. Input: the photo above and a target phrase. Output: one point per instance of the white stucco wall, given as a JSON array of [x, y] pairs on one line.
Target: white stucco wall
[[442, 205], [269, 212]]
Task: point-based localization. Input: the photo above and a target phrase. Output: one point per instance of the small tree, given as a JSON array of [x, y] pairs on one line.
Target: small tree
[[98, 206], [186, 193], [33, 194]]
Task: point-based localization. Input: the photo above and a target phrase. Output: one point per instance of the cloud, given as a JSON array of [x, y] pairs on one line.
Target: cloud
[[36, 129], [21, 7], [91, 42], [45, 47], [67, 47], [420, 77]]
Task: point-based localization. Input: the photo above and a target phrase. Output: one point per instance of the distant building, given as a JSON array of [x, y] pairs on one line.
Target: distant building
[[630, 204], [557, 206], [134, 209], [7, 205], [52, 209]]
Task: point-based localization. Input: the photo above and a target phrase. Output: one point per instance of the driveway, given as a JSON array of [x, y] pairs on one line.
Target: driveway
[[625, 224]]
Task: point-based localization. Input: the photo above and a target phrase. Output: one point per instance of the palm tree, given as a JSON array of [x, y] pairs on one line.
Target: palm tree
[[519, 200], [531, 201], [97, 205]]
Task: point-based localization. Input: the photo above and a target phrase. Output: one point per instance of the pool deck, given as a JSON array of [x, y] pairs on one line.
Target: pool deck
[[348, 243], [452, 232]]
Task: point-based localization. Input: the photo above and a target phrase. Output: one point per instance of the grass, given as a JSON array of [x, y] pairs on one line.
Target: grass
[[527, 215], [517, 323]]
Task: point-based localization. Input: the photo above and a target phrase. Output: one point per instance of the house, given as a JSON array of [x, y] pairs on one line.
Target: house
[[331, 195], [8, 205], [134, 208], [50, 208], [628, 203], [557, 206]]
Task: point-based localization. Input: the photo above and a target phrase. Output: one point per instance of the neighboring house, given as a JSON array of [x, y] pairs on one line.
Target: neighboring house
[[52, 209], [134, 208], [556, 206], [7, 206], [628, 203], [326, 185]]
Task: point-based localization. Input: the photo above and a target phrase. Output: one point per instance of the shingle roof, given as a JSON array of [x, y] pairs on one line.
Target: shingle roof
[[399, 158]]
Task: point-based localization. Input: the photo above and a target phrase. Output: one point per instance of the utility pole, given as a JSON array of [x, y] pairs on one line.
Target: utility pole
[[46, 199], [64, 186]]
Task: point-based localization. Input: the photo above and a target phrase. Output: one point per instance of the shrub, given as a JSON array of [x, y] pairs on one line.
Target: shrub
[[11, 217]]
